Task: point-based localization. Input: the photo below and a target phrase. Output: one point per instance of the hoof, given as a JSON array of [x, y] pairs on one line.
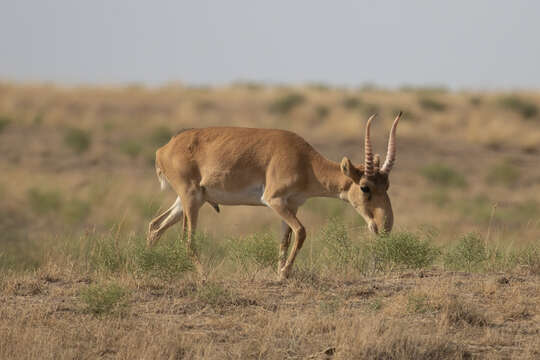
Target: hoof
[[283, 274]]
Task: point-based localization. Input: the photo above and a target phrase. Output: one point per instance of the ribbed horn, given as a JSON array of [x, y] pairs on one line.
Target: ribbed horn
[[368, 160], [391, 154]]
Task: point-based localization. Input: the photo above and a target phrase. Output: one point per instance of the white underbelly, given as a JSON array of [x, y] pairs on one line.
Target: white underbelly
[[251, 195]]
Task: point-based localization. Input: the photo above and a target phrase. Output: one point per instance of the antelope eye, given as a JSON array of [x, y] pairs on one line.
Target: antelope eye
[[365, 189]]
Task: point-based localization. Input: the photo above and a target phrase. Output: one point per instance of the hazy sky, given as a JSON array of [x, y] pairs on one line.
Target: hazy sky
[[461, 44]]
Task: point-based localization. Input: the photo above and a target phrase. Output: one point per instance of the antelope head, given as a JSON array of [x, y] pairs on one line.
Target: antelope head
[[368, 191]]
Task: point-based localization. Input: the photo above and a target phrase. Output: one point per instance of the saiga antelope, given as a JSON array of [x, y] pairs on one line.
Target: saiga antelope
[[266, 167]]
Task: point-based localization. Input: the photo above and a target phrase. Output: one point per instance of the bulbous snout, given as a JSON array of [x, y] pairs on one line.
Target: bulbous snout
[[381, 222], [381, 218]]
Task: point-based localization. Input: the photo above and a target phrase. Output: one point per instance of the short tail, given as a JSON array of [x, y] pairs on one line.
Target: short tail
[[162, 179]]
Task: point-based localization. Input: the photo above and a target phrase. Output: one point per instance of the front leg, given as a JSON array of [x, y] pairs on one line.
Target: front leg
[[288, 214], [286, 233]]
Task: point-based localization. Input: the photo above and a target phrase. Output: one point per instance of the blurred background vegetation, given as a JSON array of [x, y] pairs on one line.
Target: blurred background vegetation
[[79, 160]]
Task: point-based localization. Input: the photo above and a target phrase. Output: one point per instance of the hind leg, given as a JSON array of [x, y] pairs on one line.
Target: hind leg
[[164, 221], [192, 199]]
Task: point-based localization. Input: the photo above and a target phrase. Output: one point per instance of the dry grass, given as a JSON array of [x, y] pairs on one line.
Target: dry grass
[[462, 316], [78, 189]]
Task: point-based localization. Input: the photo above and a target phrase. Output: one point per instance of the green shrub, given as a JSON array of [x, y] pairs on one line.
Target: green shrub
[[475, 100], [78, 140], [521, 213], [131, 148], [211, 251], [104, 299], [529, 257], [44, 201], [340, 251], [166, 260], [526, 109], [4, 122], [76, 210], [439, 197], [478, 208], [352, 103], [504, 173], [258, 249], [470, 253], [425, 90], [145, 207], [370, 109], [106, 254], [38, 119], [403, 249], [429, 103], [19, 254], [160, 136], [322, 111], [327, 208], [215, 295], [249, 85], [443, 175], [286, 103]]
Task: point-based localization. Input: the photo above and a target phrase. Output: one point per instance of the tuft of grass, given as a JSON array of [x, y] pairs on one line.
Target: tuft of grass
[[526, 109], [104, 299], [4, 122], [284, 104], [44, 201], [160, 135], [470, 253], [166, 260], [19, 255], [403, 249], [375, 304], [258, 249], [504, 173], [429, 103], [458, 313], [105, 254], [418, 303], [215, 295], [340, 251], [78, 140], [330, 306], [528, 257], [396, 342], [443, 175]]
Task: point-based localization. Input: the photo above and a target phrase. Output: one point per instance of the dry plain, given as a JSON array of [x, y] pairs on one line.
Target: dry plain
[[458, 278]]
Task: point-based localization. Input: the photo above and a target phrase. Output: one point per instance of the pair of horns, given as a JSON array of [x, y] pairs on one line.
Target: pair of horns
[[369, 168]]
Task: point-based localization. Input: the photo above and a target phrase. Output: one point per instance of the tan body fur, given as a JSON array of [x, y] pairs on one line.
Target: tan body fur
[[260, 167]]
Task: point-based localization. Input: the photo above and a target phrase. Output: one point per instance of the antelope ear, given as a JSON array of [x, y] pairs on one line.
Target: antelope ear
[[348, 169]]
